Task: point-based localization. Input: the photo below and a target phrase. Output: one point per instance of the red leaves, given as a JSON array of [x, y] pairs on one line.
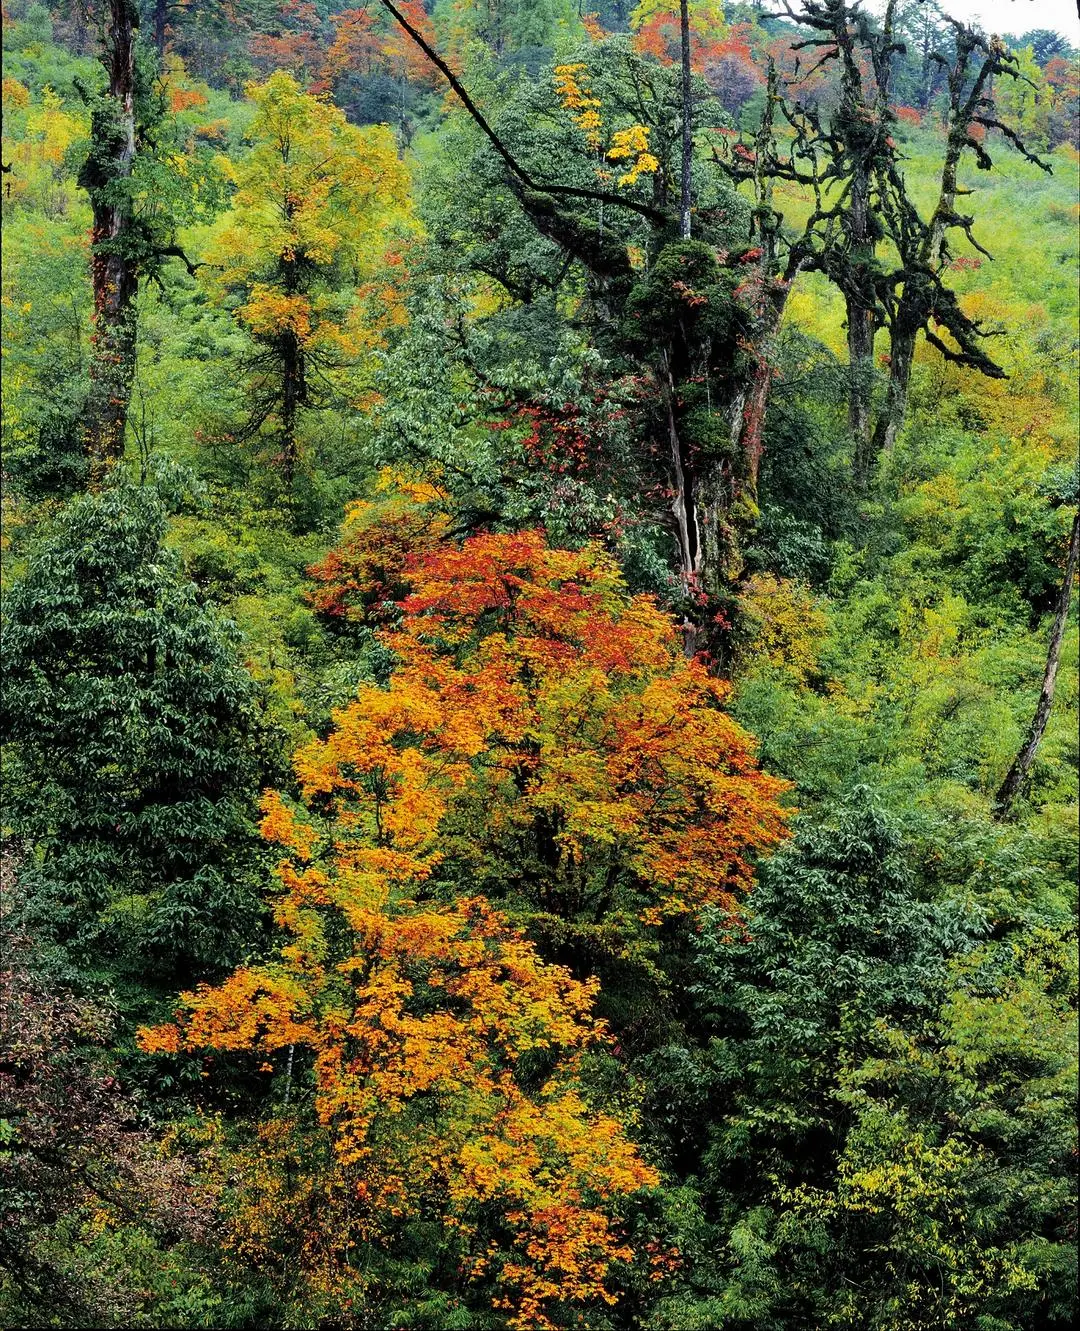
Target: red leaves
[[534, 692], [538, 713]]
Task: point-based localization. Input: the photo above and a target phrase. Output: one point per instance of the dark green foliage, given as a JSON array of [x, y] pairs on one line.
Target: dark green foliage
[[134, 739], [836, 940]]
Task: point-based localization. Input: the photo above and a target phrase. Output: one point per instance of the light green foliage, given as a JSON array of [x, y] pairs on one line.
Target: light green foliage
[[955, 1177]]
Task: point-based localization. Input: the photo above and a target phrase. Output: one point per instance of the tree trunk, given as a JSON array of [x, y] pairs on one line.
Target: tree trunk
[[1017, 776], [714, 494], [161, 18], [687, 123], [293, 396], [859, 303], [891, 420], [114, 266], [860, 340]]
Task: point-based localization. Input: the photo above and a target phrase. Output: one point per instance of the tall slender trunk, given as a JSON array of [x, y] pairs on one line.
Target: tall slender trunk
[[1017, 776], [687, 123], [682, 505], [859, 304], [114, 264], [293, 396], [161, 18], [860, 340], [894, 409]]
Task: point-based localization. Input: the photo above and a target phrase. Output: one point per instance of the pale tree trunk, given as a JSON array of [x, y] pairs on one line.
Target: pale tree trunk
[[714, 498], [114, 266], [1017, 776]]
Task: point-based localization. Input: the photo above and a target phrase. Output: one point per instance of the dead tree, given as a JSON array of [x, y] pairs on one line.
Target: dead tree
[[1017, 777]]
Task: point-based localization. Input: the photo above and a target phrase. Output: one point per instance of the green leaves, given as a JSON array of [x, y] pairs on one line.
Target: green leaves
[[134, 746]]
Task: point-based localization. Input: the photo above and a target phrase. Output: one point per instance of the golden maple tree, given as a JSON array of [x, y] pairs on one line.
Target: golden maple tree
[[545, 732], [537, 709]]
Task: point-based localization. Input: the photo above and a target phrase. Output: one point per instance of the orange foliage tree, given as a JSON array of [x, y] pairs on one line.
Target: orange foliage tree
[[295, 42], [446, 1060], [543, 736]]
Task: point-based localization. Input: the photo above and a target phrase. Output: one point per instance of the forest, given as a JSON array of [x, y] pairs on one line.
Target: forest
[[540, 695]]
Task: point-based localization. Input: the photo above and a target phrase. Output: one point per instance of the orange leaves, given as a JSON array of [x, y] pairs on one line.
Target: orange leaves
[[15, 95], [562, 715], [185, 99], [541, 735], [251, 1010], [269, 311], [362, 576], [535, 698], [372, 44], [416, 1076]]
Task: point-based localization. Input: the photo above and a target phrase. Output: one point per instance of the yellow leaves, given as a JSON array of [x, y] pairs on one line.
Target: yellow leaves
[[572, 706], [706, 16], [787, 625], [317, 203], [269, 312], [15, 95], [250, 1010], [572, 88], [416, 1084], [539, 713], [630, 145], [633, 143]]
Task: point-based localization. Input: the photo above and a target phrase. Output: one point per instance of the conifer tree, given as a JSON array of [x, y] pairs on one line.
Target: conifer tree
[[133, 735]]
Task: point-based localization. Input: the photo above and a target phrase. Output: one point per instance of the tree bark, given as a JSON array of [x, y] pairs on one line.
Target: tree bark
[[161, 17], [687, 123], [114, 265], [860, 340], [293, 396], [894, 410], [1017, 776]]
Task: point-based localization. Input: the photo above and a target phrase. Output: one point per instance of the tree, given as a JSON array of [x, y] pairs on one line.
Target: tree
[[144, 179], [95, 1217], [954, 1192], [834, 942], [697, 315], [133, 737], [298, 44], [1017, 776], [542, 736], [914, 297], [1045, 44], [852, 162], [448, 1068], [106, 176], [315, 200]]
